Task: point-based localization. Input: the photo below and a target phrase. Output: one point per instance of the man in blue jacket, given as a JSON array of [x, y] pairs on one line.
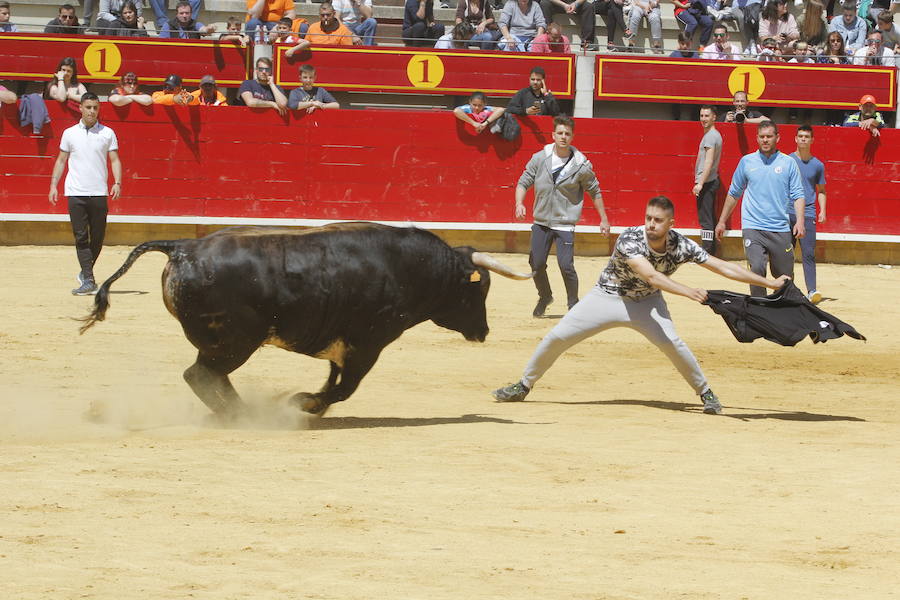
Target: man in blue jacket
[[768, 180]]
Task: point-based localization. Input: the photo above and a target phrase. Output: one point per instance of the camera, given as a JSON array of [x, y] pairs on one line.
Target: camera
[[739, 117]]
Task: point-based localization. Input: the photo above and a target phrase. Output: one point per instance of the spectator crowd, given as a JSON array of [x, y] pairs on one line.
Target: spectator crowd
[[813, 31], [761, 30]]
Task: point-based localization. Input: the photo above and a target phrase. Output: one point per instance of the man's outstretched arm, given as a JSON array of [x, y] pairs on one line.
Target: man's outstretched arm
[[738, 273]]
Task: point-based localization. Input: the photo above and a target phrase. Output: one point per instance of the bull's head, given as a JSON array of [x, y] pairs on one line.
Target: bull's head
[[468, 314]]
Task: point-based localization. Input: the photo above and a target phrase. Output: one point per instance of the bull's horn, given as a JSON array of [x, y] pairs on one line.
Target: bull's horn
[[492, 264]]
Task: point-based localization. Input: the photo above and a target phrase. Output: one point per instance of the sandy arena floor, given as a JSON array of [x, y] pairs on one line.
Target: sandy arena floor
[[608, 484]]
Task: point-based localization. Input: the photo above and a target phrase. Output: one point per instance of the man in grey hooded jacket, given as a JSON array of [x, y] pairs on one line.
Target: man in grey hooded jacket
[[560, 175]]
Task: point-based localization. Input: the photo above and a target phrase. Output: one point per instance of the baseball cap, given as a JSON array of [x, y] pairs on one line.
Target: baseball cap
[[208, 80], [867, 98], [173, 81]]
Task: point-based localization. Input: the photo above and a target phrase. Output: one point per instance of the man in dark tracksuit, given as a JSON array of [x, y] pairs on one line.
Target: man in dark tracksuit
[[560, 175]]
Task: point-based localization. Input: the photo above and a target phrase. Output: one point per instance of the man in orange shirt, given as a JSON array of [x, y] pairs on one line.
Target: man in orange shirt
[[174, 94], [208, 94], [329, 31], [267, 13]]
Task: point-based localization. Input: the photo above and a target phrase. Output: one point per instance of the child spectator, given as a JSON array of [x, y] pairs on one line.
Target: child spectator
[[281, 33], [233, 32], [128, 91], [64, 84], [478, 114], [310, 98]]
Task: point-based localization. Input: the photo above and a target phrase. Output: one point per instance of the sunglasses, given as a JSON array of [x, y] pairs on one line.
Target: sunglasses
[[872, 42], [67, 17], [264, 69], [720, 35]]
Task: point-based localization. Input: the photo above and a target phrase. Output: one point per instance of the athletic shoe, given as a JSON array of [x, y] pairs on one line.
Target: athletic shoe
[[80, 278], [814, 296], [514, 392], [711, 404], [541, 307], [87, 288]]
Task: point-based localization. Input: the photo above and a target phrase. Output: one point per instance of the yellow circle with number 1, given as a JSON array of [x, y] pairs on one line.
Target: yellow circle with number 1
[[425, 70], [102, 59], [747, 79]]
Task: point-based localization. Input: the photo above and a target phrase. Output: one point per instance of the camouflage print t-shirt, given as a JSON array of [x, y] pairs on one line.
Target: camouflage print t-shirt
[[619, 278]]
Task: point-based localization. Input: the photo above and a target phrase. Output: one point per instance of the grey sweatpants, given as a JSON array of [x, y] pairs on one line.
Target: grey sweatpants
[[774, 249], [600, 310]]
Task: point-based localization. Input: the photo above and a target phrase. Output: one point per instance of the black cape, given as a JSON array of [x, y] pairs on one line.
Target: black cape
[[784, 317]]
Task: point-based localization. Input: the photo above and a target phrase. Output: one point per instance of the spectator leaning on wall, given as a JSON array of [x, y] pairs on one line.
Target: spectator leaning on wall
[[7, 96], [536, 99], [128, 91], [173, 94], [867, 118], [262, 91], [308, 97], [208, 93]]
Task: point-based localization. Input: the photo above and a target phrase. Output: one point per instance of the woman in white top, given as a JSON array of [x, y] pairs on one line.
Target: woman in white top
[[64, 84]]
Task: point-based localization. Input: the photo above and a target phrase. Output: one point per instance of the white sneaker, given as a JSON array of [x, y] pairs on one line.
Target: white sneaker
[[814, 296]]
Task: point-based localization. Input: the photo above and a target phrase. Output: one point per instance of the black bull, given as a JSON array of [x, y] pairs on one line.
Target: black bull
[[340, 292]]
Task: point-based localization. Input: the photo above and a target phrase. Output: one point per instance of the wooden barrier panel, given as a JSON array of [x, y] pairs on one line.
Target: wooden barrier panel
[[199, 164], [421, 71], [34, 56], [700, 81]]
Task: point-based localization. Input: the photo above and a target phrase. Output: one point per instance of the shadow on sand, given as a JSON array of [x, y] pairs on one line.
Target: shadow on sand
[[765, 413], [373, 422]]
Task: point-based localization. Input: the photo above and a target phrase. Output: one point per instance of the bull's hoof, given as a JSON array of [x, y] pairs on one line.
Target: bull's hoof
[[311, 403]]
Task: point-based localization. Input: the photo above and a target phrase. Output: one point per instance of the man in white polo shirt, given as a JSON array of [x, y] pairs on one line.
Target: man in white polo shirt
[[86, 146]]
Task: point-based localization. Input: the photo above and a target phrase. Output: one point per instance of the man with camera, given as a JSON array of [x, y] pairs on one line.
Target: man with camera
[[742, 113]]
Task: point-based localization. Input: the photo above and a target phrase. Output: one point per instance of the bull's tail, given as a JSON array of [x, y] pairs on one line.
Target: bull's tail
[[101, 300]]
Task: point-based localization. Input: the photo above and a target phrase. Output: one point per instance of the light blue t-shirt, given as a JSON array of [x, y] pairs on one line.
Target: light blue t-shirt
[[812, 173], [769, 185]]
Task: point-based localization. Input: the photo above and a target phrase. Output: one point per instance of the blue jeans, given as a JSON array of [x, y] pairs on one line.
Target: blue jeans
[[162, 17], [692, 19], [365, 30], [487, 39], [520, 46], [252, 24], [808, 250]]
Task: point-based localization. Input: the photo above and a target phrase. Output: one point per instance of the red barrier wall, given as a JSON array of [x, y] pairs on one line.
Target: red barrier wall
[[413, 166]]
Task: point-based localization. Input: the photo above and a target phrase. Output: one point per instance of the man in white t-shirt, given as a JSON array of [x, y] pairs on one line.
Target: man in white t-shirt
[[357, 16], [86, 146]]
